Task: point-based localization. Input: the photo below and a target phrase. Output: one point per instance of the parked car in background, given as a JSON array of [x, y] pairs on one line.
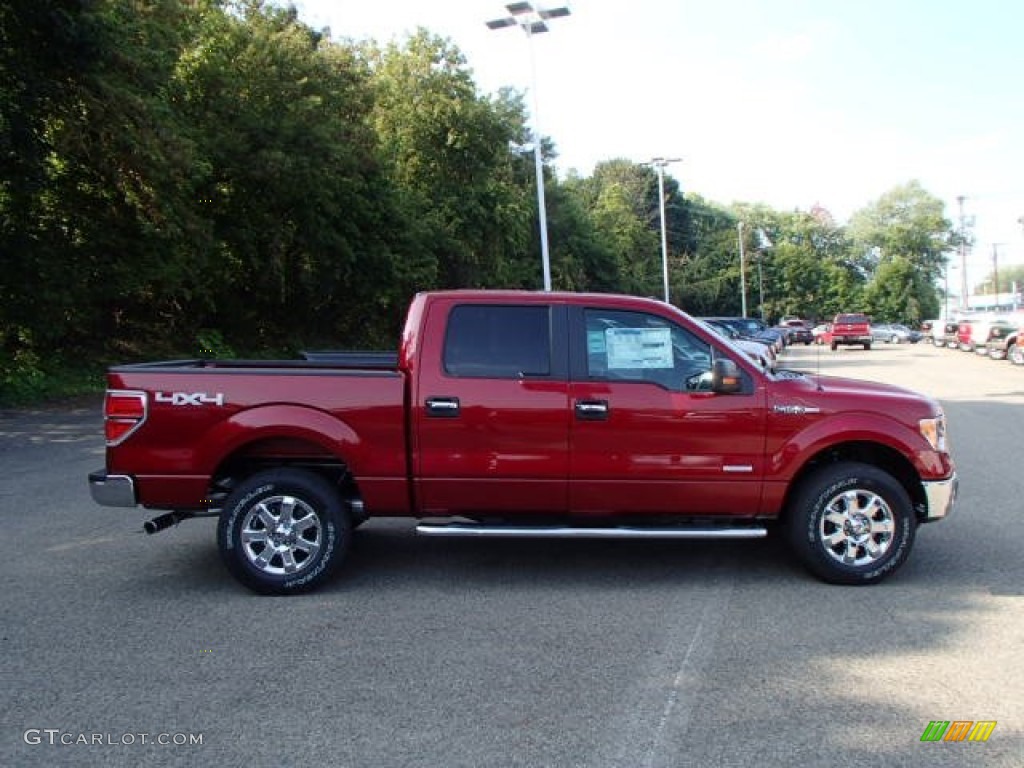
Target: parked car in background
[[820, 333], [963, 335], [850, 329], [750, 328], [980, 327], [799, 332], [934, 332], [1002, 343], [760, 352], [946, 335], [894, 333]]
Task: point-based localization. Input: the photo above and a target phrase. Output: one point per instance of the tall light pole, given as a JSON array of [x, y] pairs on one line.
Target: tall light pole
[[660, 163], [743, 269], [533, 21]]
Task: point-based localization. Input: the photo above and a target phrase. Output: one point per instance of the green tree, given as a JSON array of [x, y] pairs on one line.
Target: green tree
[[446, 148], [618, 199], [907, 223], [298, 204]]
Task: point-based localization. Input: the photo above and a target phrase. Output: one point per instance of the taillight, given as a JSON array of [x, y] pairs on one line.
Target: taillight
[[123, 413]]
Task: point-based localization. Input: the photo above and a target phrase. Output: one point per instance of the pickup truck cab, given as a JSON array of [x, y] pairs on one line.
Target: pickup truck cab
[[526, 414]]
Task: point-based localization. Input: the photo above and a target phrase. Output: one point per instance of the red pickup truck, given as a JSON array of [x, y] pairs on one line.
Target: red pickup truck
[[523, 414], [850, 329]]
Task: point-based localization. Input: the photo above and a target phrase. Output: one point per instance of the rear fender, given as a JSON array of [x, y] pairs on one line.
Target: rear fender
[[295, 422]]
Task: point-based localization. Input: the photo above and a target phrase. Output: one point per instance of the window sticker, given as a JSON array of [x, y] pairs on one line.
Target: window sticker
[[595, 343], [639, 348]]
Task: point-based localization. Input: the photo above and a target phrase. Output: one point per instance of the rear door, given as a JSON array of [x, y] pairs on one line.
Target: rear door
[[647, 437], [491, 409]]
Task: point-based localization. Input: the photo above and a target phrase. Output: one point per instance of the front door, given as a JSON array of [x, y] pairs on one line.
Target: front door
[[647, 436]]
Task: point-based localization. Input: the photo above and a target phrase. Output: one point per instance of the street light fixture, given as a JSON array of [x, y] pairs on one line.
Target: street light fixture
[[660, 163], [533, 21]]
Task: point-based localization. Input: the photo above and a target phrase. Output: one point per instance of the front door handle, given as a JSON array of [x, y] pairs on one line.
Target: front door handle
[[592, 410], [443, 407]]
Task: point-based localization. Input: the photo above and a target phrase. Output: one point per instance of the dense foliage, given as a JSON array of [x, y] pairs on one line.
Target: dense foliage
[[203, 177]]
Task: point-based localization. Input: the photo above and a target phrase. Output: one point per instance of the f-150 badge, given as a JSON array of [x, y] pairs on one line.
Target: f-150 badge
[[794, 410]]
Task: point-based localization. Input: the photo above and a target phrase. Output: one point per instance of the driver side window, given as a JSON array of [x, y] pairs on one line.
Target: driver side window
[[634, 346]]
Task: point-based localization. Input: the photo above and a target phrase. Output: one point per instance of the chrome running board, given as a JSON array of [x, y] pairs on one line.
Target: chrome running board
[[589, 532]]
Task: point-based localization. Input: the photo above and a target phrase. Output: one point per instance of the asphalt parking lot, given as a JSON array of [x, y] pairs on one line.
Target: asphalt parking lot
[[124, 649]]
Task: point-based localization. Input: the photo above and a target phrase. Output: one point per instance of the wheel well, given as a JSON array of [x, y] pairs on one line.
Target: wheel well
[[274, 453], [882, 456]]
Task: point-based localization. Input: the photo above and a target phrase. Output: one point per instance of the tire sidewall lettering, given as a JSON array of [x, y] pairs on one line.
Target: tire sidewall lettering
[[330, 540], [239, 509]]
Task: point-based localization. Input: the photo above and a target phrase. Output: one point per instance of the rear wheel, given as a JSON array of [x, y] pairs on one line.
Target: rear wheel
[[283, 531], [851, 523]]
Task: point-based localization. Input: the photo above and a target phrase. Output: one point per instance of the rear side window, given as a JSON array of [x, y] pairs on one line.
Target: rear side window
[[506, 342]]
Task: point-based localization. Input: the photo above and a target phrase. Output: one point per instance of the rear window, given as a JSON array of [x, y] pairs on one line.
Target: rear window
[[851, 319], [489, 341]]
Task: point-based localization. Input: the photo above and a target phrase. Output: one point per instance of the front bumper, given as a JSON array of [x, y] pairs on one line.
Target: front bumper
[[112, 490], [941, 496]]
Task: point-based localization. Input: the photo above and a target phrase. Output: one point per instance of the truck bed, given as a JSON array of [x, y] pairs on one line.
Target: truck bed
[[318, 359]]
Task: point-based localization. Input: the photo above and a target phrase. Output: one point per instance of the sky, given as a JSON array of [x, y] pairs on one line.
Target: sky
[[790, 103]]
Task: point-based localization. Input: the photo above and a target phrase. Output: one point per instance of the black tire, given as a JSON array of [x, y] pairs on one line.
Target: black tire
[[1015, 354], [851, 523], [310, 541], [867, 347], [835, 346]]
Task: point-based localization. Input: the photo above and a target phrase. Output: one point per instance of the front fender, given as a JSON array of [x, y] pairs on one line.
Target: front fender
[[786, 460]]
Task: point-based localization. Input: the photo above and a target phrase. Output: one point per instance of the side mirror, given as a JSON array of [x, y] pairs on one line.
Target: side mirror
[[725, 377]]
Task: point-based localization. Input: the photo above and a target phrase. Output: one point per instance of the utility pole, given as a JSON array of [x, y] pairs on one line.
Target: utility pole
[[963, 256], [743, 269], [995, 269]]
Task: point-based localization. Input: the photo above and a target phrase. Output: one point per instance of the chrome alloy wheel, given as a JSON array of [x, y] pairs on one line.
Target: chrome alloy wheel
[[857, 527], [281, 535]]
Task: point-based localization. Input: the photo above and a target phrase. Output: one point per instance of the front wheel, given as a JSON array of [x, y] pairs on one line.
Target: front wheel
[[851, 523], [283, 531], [1015, 354]]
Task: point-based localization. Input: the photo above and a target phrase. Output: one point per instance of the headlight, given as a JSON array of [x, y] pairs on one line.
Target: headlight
[[934, 431]]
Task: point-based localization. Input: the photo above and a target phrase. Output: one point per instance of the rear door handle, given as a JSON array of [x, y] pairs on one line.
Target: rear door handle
[[592, 410], [443, 407]]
